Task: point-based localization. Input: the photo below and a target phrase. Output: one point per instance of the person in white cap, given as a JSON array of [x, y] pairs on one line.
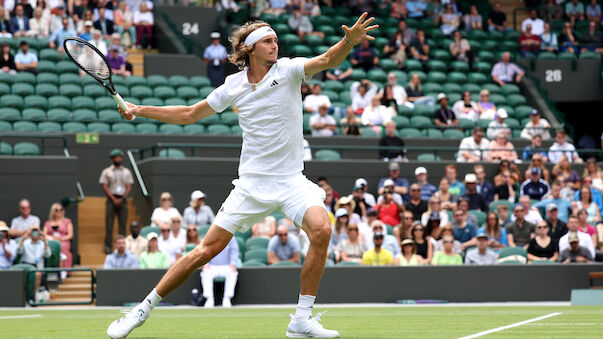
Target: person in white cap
[[198, 213], [369, 199], [389, 183], [215, 58], [267, 93], [427, 189], [153, 257], [498, 125], [8, 247]]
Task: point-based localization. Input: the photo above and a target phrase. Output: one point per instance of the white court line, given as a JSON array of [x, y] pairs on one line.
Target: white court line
[[20, 316], [498, 329]]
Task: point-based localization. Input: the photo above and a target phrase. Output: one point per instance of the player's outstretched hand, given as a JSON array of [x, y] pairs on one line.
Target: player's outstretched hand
[[130, 114], [358, 32]]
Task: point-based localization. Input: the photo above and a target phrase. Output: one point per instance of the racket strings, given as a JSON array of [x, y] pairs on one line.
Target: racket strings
[[88, 59]]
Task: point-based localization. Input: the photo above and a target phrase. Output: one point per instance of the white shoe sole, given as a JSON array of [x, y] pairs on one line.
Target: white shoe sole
[[298, 335]]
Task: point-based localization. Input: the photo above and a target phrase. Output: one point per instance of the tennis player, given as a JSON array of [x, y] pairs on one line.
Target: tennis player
[[268, 96]]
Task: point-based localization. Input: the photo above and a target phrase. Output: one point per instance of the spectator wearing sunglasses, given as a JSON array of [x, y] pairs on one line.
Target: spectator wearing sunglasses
[[416, 204], [521, 231], [542, 246], [59, 228], [378, 256], [162, 215], [481, 255], [424, 245], [168, 244], [447, 256], [283, 247], [409, 255], [352, 248]]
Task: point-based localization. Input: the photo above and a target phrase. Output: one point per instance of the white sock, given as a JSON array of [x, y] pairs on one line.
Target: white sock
[[304, 306], [151, 300]]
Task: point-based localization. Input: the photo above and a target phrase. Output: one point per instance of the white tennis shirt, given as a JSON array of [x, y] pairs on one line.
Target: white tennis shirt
[[269, 115]]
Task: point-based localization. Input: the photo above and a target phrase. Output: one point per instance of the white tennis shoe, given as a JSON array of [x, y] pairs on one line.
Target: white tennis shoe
[[309, 328], [121, 327]]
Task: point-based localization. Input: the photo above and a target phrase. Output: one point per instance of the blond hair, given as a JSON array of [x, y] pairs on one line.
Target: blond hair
[[51, 212], [240, 52]]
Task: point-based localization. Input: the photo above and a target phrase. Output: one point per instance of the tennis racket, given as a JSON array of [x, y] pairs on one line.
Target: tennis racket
[[92, 61]]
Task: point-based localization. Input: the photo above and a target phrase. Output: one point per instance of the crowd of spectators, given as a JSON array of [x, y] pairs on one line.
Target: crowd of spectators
[[111, 26]]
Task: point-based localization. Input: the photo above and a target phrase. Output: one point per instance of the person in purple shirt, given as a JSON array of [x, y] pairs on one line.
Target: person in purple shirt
[[222, 265], [117, 62]]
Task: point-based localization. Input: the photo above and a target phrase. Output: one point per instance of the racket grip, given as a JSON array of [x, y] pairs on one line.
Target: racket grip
[[122, 104]]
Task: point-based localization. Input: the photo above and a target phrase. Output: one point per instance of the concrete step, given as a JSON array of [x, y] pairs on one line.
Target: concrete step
[[75, 287]]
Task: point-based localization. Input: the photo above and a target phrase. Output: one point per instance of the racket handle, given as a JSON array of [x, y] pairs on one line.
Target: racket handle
[[122, 104]]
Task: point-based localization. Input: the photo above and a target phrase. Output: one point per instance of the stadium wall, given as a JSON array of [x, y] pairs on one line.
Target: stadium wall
[[11, 285], [369, 284]]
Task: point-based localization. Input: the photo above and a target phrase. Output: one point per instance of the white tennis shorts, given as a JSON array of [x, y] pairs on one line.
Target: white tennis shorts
[[257, 196]]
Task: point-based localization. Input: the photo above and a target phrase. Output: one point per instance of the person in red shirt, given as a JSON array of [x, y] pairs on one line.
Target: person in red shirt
[[529, 44], [388, 211]]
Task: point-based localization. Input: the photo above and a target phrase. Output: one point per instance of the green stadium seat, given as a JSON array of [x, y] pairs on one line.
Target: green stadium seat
[[281, 29], [289, 40], [187, 92], [81, 102], [11, 100], [300, 51], [94, 91], [451, 87], [358, 74], [176, 81], [493, 88], [164, 92], [402, 77], [333, 96], [483, 123], [229, 118], [458, 77], [172, 153], [285, 264], [515, 100], [10, 114], [425, 157], [433, 133], [210, 120], [33, 114], [84, 114], [255, 243], [7, 78], [59, 101], [66, 67], [70, 78], [236, 130], [170, 129], [105, 102], [421, 121], [512, 251], [123, 90], [436, 65], [178, 102], [5, 148], [512, 123], [49, 127], [497, 99], [494, 206], [218, 129], [35, 101], [47, 66], [380, 43], [333, 85], [86, 80], [588, 55], [205, 91], [327, 155], [193, 129], [438, 77], [146, 128], [148, 229], [25, 78], [388, 65], [546, 56], [4, 89], [22, 89], [156, 80], [312, 40], [74, 127], [485, 56], [269, 18], [476, 34], [109, 115], [5, 126], [566, 56], [26, 148], [413, 65], [58, 114], [199, 81], [368, 132], [523, 111], [135, 80], [509, 89], [47, 78], [401, 121], [431, 87], [453, 134], [404, 111], [47, 90], [50, 55], [482, 67], [460, 66], [99, 127], [440, 54], [70, 90], [141, 91], [479, 215], [259, 254], [424, 110], [253, 263], [150, 101], [477, 78], [124, 128]]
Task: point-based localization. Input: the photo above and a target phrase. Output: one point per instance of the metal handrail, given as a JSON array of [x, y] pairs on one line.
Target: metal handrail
[[137, 174]]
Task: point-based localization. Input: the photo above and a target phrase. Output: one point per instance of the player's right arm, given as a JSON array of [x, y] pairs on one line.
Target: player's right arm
[[179, 115]]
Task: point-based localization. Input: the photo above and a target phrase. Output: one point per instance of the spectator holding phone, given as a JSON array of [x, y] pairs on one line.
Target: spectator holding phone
[[8, 247], [33, 248], [59, 228]]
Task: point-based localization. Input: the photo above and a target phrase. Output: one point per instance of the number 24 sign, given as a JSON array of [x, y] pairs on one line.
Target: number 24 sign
[[190, 28]]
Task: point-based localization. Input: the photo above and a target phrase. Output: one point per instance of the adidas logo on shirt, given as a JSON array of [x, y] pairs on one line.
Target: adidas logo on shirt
[[274, 83]]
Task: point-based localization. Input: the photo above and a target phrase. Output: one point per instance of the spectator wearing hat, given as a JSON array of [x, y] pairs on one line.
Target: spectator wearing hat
[[283, 247], [505, 71], [444, 116], [416, 204], [87, 33], [476, 200], [8, 247], [496, 233], [560, 148], [350, 205], [369, 199], [464, 231], [520, 231], [555, 201], [116, 182], [222, 265], [121, 258], [323, 124], [134, 242], [535, 187], [481, 255], [557, 228], [117, 62], [575, 253], [19, 23], [352, 248], [21, 224], [390, 139], [535, 148], [427, 189], [501, 148], [400, 184], [25, 60], [152, 257], [378, 256], [358, 197], [455, 187], [536, 126], [215, 58], [389, 185], [342, 220], [542, 246], [498, 125], [573, 226], [390, 242], [466, 108], [474, 148], [198, 213], [439, 244], [314, 101], [409, 256], [447, 256]]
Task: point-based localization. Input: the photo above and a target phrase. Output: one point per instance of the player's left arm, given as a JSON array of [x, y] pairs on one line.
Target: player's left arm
[[338, 52]]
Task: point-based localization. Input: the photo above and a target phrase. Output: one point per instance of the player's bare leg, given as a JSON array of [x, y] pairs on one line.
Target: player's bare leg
[[214, 242], [302, 325]]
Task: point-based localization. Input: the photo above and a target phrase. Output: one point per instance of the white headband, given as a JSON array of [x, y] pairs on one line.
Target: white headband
[[258, 34]]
